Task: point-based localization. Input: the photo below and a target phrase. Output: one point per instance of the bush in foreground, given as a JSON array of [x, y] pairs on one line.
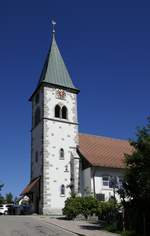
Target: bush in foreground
[[85, 206], [88, 206], [72, 207]]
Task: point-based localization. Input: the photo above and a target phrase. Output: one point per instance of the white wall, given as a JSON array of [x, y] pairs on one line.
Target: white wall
[[92, 180], [99, 188], [58, 133]]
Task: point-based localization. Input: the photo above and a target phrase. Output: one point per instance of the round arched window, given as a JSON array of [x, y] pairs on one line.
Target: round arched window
[[57, 111], [64, 112], [62, 189]]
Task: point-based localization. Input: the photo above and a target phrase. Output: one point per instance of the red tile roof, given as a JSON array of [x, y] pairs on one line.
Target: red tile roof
[[30, 186], [103, 151]]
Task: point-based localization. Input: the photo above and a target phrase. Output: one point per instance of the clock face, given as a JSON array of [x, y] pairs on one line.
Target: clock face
[[61, 93]]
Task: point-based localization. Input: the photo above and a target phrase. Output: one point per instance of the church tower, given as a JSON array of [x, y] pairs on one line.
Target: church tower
[[54, 160]]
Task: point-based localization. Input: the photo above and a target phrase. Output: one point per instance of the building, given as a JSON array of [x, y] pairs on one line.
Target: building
[[62, 160]]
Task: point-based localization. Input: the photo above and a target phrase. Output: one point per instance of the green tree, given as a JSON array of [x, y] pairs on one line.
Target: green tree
[[9, 198], [2, 200], [137, 174], [1, 197]]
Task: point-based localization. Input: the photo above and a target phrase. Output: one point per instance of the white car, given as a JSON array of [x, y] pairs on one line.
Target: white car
[[4, 209]]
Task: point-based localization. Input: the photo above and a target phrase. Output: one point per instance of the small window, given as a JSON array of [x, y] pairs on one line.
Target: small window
[[36, 157], [57, 111], [62, 190], [37, 116], [66, 168], [37, 98], [106, 181], [61, 153], [64, 112]]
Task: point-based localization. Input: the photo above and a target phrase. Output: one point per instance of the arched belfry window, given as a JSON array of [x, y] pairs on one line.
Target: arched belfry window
[[57, 111], [61, 112], [64, 112], [37, 116], [62, 189], [61, 153]]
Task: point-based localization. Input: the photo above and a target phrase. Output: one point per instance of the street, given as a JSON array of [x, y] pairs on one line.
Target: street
[[28, 226]]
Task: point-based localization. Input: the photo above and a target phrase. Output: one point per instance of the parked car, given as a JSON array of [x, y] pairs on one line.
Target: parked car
[[4, 208], [27, 210], [20, 210]]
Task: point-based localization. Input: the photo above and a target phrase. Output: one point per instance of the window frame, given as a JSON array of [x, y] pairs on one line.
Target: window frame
[[106, 181]]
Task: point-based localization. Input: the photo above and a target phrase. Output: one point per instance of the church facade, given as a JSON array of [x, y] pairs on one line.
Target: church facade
[[63, 161]]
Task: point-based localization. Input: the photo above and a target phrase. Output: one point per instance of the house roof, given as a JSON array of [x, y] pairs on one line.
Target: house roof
[[30, 186], [54, 71], [103, 151]]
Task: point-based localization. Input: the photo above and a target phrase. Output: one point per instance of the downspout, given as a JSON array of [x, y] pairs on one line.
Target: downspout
[[93, 172]]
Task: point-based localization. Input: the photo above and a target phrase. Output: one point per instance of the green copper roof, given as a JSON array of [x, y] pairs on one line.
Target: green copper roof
[[54, 70]]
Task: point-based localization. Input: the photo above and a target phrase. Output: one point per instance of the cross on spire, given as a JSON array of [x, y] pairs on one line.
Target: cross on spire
[[53, 24]]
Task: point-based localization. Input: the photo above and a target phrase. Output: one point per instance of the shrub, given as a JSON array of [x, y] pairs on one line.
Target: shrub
[[128, 233], [111, 228], [107, 211], [72, 207], [89, 206], [80, 205]]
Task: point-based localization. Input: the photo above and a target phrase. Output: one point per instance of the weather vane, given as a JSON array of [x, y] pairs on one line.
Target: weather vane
[[53, 23]]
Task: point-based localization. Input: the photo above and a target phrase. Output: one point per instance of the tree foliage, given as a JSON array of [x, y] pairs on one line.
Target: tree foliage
[[136, 187], [2, 200], [137, 174], [9, 198]]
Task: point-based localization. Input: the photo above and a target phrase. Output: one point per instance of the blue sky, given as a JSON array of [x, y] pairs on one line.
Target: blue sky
[[105, 45]]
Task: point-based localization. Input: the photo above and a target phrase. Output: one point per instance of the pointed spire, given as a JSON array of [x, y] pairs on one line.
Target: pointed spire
[[54, 71]]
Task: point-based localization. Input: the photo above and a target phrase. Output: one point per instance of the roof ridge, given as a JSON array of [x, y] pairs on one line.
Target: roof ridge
[[101, 136]]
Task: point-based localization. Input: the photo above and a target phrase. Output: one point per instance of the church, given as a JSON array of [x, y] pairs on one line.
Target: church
[[63, 160]]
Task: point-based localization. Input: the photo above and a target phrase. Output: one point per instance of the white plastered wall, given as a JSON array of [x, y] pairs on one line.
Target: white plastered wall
[[58, 133], [99, 188]]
